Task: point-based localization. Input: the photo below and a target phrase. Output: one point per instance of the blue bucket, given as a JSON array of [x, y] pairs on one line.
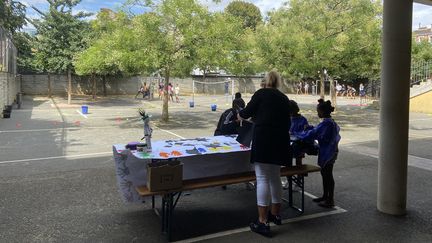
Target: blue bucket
[[213, 107], [84, 109], [191, 104]]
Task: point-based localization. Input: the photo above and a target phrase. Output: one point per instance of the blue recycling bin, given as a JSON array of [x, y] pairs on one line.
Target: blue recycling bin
[[84, 109], [191, 104], [213, 107]]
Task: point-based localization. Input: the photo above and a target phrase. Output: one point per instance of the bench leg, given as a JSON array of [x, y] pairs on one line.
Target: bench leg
[[299, 181], [290, 191], [153, 202], [163, 216], [302, 188], [167, 214]]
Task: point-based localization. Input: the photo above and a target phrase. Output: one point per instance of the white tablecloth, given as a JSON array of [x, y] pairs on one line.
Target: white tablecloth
[[201, 157]]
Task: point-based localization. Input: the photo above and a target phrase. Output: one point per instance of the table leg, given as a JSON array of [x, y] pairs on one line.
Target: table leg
[[290, 191], [170, 209]]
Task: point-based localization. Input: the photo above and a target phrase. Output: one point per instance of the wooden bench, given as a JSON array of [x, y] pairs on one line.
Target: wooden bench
[[295, 174]]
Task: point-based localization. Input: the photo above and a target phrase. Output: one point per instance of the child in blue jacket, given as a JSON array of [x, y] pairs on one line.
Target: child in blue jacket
[[299, 125], [327, 134]]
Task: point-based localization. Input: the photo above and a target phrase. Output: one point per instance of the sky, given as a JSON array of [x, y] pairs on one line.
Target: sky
[[422, 14]]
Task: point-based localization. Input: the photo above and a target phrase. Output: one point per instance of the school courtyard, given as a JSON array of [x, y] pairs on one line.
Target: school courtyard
[[58, 181]]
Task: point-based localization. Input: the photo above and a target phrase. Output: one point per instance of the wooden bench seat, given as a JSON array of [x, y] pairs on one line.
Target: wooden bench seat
[[193, 184], [294, 174]]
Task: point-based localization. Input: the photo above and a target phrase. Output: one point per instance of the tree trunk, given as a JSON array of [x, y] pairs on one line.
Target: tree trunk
[[165, 115], [104, 85], [69, 86], [94, 86], [333, 92], [49, 86], [203, 85], [322, 87]]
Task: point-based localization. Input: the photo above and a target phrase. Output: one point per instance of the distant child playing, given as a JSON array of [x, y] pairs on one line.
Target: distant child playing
[[327, 134]]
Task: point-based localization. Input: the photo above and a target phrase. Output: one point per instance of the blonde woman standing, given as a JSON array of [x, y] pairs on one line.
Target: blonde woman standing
[[270, 109]]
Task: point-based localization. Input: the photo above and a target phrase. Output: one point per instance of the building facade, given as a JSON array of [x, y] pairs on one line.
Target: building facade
[[423, 33]]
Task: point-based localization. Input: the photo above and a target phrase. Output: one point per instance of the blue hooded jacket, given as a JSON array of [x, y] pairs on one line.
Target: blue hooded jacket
[[327, 134]]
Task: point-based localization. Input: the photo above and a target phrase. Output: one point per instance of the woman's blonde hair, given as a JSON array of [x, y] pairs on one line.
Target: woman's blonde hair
[[273, 79]]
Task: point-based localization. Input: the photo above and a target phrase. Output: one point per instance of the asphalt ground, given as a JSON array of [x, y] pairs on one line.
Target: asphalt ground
[[57, 177]]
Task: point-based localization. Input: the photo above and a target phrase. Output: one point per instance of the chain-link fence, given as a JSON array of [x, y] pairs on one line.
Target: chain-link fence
[[421, 71], [9, 85]]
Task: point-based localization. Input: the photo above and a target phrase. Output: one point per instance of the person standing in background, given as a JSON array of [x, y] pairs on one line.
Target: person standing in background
[[177, 93]]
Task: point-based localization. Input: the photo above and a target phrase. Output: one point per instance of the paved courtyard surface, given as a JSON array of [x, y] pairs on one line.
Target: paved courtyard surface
[[57, 177]]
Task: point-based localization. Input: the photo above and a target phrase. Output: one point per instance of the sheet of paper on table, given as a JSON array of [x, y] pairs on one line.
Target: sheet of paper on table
[[169, 149]]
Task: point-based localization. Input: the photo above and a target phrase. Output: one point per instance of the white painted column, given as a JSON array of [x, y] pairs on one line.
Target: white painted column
[[394, 110]]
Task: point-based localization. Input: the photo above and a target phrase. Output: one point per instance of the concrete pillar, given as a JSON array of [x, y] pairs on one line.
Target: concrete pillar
[[394, 111]]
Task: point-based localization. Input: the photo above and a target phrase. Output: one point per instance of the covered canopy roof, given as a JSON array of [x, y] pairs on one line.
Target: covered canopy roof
[[427, 2]]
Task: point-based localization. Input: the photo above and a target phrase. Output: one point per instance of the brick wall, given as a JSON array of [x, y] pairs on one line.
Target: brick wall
[[82, 85], [9, 87]]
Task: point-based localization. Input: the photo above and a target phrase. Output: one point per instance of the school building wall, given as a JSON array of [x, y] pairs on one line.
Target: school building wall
[[422, 103]]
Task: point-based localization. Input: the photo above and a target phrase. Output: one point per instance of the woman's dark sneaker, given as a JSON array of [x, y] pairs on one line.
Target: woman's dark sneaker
[[319, 199], [260, 228], [276, 219], [327, 204]]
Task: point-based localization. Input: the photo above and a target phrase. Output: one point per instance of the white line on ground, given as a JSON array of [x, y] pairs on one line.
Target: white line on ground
[[79, 112], [53, 129], [420, 119], [59, 157], [413, 161], [416, 135], [337, 210], [169, 132]]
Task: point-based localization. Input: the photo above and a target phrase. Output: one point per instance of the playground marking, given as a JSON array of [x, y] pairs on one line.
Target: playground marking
[[413, 161], [79, 112], [420, 119], [337, 210], [58, 157], [53, 129], [163, 130]]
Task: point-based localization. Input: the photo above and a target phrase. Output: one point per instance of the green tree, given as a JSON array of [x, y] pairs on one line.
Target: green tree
[[163, 40], [60, 35], [12, 15], [248, 13], [421, 51], [216, 42], [97, 59], [12, 19], [25, 59], [343, 36]]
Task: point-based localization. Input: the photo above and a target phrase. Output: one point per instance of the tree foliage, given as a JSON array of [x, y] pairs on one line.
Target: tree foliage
[[342, 36], [12, 15], [162, 40], [421, 51], [60, 35], [220, 41], [174, 37], [25, 59], [248, 13], [99, 58]]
